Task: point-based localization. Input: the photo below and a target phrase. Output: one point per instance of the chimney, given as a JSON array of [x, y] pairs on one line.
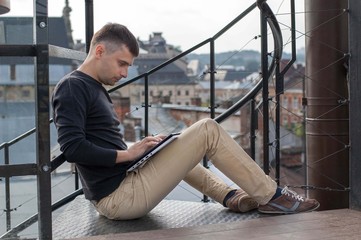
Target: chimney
[[132, 129], [121, 106], [196, 101]]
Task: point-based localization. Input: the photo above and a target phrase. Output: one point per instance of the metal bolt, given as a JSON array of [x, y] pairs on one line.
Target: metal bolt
[[45, 168], [42, 24]]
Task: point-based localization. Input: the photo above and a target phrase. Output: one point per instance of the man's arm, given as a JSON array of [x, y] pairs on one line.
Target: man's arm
[[70, 102]]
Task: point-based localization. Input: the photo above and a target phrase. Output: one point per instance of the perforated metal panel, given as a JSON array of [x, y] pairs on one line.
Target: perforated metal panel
[[80, 218]]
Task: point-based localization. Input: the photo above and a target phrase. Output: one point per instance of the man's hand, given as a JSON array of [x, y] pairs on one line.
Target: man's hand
[[138, 148]]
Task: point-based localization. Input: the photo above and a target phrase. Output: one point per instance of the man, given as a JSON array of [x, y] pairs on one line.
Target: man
[[88, 133]]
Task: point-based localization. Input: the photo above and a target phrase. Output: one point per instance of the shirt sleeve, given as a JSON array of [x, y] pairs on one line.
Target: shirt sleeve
[[71, 101]]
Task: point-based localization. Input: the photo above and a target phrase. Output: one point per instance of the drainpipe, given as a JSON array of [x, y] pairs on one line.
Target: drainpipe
[[327, 102]]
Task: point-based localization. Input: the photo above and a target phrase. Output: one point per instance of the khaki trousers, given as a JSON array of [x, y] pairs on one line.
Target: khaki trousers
[[144, 188]]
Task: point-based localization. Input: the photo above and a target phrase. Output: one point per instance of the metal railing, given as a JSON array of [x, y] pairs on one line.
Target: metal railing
[[44, 167]]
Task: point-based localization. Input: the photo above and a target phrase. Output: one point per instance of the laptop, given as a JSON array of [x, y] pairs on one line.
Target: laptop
[[147, 155]]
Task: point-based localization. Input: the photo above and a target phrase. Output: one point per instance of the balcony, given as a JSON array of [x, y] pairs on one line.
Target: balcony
[[53, 186]]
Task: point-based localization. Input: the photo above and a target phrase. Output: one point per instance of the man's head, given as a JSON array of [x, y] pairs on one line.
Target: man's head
[[114, 35], [112, 50]]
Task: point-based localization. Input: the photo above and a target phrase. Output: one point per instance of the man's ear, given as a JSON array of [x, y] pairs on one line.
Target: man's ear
[[99, 50]]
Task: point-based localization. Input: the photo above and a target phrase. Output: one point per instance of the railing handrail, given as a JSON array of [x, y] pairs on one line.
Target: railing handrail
[[17, 139], [182, 54], [278, 48]]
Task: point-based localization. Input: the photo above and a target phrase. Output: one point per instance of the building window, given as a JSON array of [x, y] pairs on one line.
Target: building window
[[178, 92], [25, 93], [187, 93], [285, 101], [12, 72], [295, 102], [170, 93]]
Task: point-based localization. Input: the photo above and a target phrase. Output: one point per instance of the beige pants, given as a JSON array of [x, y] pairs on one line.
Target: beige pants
[[144, 188]]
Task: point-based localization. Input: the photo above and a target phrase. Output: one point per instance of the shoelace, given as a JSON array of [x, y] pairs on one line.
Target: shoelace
[[292, 194]]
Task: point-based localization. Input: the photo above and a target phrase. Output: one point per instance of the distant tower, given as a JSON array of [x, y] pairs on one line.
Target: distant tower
[[69, 31], [155, 44]]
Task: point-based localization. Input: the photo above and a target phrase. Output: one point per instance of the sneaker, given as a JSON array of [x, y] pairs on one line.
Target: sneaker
[[289, 202], [241, 202]]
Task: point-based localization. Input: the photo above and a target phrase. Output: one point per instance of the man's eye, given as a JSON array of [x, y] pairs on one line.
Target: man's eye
[[123, 64]]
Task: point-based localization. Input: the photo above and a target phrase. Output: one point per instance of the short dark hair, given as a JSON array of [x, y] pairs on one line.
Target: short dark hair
[[118, 34]]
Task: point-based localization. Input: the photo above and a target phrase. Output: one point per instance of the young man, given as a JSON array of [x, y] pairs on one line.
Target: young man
[[88, 133]]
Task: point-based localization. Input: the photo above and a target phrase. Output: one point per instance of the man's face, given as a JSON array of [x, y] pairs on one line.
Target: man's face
[[113, 66]]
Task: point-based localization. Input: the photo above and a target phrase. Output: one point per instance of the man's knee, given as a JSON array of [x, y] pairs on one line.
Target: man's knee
[[209, 123], [206, 121]]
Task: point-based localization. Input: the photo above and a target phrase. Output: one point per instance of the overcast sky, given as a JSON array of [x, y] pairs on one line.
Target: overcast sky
[[184, 23]]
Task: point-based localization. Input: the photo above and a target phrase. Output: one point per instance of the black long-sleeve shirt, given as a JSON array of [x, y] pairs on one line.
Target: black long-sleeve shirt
[[88, 133]]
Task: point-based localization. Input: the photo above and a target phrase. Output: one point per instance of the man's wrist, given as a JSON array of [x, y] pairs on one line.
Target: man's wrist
[[122, 156]]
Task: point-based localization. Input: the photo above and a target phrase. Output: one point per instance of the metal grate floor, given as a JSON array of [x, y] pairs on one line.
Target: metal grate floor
[[80, 219]]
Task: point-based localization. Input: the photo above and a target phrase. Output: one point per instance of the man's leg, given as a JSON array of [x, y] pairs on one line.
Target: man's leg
[[207, 183], [144, 188], [214, 187]]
